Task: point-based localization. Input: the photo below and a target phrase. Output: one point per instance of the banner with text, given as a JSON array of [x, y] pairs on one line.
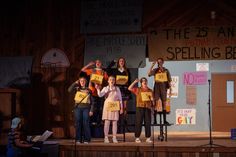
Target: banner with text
[[110, 47], [192, 43], [185, 116], [103, 16]]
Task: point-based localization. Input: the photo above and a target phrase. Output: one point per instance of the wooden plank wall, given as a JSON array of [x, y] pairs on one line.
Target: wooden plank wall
[[30, 28]]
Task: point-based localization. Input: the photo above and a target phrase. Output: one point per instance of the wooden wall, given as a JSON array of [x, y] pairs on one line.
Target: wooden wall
[[30, 28]]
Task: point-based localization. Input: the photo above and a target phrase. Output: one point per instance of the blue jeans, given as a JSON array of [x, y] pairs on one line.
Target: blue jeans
[[82, 124]]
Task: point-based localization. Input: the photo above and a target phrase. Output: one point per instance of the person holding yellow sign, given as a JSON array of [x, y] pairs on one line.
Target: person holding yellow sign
[[112, 107], [97, 76], [162, 83], [144, 103], [123, 79], [83, 109]]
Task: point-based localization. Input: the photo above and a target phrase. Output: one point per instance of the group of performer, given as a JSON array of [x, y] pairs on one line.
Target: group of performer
[[107, 91]]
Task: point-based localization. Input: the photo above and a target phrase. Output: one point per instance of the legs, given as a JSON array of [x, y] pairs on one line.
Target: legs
[[114, 130]]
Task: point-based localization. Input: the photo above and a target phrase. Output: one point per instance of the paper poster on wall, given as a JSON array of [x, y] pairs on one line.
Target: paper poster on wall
[[191, 95], [111, 47], [195, 78], [202, 66], [174, 87], [185, 116]]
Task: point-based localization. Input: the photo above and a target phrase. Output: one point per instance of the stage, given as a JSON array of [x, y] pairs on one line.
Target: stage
[[178, 144]]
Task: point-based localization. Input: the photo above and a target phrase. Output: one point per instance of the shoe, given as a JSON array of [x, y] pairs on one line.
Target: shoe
[[114, 140], [77, 142], [106, 140], [137, 140], [85, 142], [166, 123], [148, 140]]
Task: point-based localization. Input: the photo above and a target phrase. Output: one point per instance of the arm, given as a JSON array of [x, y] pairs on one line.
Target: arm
[[99, 92], [92, 104], [150, 72], [72, 86], [87, 66], [132, 84]]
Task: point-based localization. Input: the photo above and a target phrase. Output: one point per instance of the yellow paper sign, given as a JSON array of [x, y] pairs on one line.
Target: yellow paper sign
[[95, 78], [146, 96], [121, 79], [81, 97], [158, 107], [161, 77], [113, 106], [168, 105]]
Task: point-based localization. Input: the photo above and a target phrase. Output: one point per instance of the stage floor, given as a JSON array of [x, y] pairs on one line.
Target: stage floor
[[174, 139]]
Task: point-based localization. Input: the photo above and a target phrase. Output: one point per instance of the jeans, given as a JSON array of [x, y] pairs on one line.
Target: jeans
[[82, 124]]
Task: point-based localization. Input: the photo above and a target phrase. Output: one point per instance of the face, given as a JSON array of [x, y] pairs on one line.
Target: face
[[144, 83], [121, 62], [111, 80], [82, 82], [160, 62], [98, 64]]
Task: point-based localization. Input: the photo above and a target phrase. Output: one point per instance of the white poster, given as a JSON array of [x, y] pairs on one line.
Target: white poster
[[185, 116], [107, 16], [174, 87], [111, 47]]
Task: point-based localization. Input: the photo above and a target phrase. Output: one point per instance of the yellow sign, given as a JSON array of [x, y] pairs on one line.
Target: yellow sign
[[113, 106], [121, 79], [95, 78], [161, 77], [81, 97], [146, 96], [168, 105]]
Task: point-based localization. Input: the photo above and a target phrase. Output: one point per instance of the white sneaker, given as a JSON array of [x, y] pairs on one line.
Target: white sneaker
[[114, 140], [106, 140], [137, 140], [85, 142], [77, 142], [148, 140]]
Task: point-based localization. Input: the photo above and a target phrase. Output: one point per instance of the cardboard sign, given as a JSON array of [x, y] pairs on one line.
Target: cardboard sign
[[121, 79], [168, 105], [95, 78], [161, 77], [146, 96], [158, 107], [81, 97], [113, 106]]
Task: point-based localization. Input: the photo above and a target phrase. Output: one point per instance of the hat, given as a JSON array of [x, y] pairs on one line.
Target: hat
[[15, 122]]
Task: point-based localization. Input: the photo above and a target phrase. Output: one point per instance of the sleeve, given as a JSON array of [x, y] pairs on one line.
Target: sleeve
[[88, 71], [153, 72], [72, 87], [134, 90], [168, 75], [92, 103], [102, 92]]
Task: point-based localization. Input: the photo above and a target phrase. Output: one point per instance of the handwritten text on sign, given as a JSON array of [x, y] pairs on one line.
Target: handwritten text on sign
[[195, 78], [185, 116]]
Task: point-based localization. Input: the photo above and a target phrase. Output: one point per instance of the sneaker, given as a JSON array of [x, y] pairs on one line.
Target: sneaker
[[114, 140], [106, 140], [77, 142], [137, 140], [148, 140], [85, 142]]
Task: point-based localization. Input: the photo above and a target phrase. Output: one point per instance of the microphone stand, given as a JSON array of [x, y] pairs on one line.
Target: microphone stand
[[82, 123], [209, 114], [152, 131]]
